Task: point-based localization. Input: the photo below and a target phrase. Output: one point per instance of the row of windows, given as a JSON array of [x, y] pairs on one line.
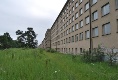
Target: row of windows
[[80, 11], [106, 30], [105, 10], [76, 5], [70, 50]]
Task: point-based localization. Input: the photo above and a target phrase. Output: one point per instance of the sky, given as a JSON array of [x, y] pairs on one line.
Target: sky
[[21, 14]]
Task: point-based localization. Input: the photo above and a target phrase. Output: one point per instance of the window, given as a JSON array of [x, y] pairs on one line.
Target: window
[[87, 34], [73, 8], [67, 15], [67, 23], [67, 32], [106, 29], [75, 50], [69, 50], [116, 4], [69, 39], [87, 20], [76, 15], [69, 20], [80, 1], [73, 18], [76, 4], [81, 36], [86, 6], [81, 50], [72, 50], [70, 4], [72, 28], [81, 23], [94, 1], [64, 41], [72, 38], [80, 11], [94, 15], [76, 37], [105, 9], [70, 12], [76, 26], [95, 32], [117, 25]]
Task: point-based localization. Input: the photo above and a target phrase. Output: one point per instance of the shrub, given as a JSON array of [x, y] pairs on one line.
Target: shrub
[[51, 50], [96, 55]]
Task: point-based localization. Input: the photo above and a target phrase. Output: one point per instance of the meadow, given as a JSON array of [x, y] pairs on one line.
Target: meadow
[[37, 64]]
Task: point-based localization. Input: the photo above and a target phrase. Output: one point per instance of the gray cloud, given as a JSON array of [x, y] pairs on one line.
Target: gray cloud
[[20, 14]]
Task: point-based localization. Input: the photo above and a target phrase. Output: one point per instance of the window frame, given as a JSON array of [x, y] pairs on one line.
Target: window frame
[[102, 8], [103, 29]]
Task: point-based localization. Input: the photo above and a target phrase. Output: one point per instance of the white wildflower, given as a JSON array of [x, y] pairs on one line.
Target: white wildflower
[[55, 71]]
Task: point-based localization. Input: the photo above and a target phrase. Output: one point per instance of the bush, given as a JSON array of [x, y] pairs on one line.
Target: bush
[[51, 50], [96, 55]]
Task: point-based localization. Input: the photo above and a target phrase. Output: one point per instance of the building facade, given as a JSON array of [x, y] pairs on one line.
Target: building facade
[[48, 39], [83, 21]]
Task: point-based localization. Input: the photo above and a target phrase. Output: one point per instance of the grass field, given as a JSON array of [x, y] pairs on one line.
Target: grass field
[[35, 64]]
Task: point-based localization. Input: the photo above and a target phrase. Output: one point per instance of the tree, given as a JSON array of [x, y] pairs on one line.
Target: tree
[[28, 38], [6, 41]]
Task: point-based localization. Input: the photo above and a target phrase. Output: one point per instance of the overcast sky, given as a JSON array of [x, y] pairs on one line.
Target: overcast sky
[[20, 14]]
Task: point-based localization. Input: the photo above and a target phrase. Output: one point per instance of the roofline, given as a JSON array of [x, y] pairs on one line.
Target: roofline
[[60, 12]]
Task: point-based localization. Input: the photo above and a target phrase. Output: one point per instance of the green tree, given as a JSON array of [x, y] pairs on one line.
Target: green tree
[[28, 38]]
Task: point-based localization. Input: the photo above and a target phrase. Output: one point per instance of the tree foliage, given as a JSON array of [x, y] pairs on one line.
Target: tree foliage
[[27, 38], [6, 41]]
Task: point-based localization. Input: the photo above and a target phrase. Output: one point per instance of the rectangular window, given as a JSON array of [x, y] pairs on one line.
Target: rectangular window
[[67, 15], [117, 25], [64, 41], [73, 8], [70, 12], [95, 32], [76, 15], [81, 23], [76, 4], [69, 39], [80, 1], [87, 20], [87, 34], [106, 29], [94, 1], [86, 6], [69, 50], [73, 28], [73, 18], [80, 12], [67, 23], [81, 36], [95, 15], [70, 21], [76, 26], [72, 50], [76, 50], [81, 50], [116, 1], [105, 9], [72, 38], [67, 32], [76, 37]]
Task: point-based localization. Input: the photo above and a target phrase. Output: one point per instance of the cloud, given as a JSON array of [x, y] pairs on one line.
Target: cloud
[[20, 14]]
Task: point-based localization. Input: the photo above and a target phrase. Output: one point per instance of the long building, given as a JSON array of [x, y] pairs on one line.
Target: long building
[[85, 24]]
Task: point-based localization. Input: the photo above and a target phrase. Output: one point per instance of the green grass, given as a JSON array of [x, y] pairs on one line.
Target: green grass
[[35, 64]]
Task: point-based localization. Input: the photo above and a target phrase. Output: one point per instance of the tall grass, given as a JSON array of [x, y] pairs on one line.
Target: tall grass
[[36, 64]]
